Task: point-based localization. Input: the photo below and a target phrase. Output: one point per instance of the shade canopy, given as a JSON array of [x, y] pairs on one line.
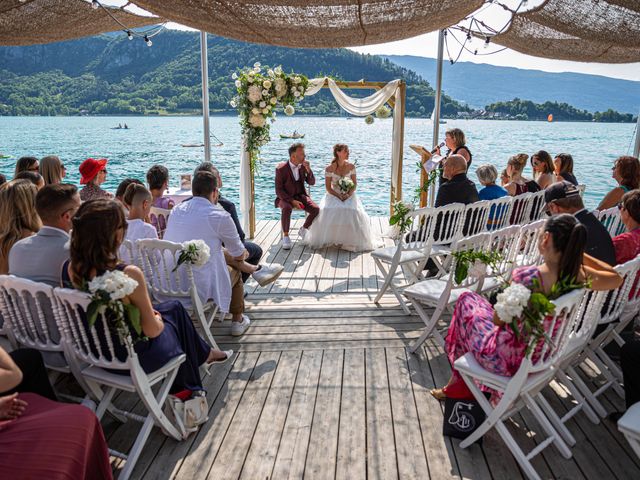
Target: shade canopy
[[32, 22], [314, 23], [606, 31]]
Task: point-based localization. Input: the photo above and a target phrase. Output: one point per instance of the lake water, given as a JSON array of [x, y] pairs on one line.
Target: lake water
[[151, 140]]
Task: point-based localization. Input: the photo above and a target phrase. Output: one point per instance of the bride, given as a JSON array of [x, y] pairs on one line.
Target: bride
[[342, 221]]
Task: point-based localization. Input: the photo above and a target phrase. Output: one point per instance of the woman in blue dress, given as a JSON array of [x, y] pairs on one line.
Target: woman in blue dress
[[99, 227]]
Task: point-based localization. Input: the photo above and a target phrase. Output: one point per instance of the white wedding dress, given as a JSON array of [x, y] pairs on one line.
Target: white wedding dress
[[342, 224]]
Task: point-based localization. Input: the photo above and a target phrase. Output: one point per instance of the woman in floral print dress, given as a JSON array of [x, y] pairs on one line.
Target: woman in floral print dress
[[476, 328]]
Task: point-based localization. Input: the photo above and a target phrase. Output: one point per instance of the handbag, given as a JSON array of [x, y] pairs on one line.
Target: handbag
[[187, 416], [461, 418]]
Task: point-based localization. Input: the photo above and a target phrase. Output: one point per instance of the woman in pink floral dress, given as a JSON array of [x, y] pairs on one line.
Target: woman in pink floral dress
[[476, 328]]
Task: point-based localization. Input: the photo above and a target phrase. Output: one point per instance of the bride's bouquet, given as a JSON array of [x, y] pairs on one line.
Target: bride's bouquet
[[107, 291], [345, 185]]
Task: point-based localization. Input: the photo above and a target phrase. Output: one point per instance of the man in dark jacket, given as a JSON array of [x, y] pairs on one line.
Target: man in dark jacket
[[564, 197], [458, 188]]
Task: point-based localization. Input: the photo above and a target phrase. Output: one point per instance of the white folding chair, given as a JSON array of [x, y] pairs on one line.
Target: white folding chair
[[439, 293], [504, 241], [128, 253], [449, 223], [520, 390], [159, 258], [537, 205], [476, 216], [103, 352], [520, 209], [610, 218], [29, 309], [159, 217], [410, 254], [499, 213], [527, 252], [629, 425]]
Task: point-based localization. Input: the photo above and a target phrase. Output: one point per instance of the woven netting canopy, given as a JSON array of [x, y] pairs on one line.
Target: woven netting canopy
[[605, 31], [30, 22], [314, 24]]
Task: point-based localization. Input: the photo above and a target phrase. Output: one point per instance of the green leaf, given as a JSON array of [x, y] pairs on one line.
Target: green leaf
[[133, 313], [462, 270], [92, 313]]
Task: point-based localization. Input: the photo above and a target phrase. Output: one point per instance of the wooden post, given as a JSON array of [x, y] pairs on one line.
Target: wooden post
[[425, 155], [396, 196], [252, 208]]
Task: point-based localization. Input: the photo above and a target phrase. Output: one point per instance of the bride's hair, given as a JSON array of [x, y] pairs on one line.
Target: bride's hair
[[338, 147]]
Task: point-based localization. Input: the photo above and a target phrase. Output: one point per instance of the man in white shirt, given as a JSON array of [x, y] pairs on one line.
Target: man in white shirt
[[139, 201], [201, 218], [40, 256]]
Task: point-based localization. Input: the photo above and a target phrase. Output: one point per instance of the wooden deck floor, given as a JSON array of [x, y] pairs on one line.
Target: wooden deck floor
[[323, 387]]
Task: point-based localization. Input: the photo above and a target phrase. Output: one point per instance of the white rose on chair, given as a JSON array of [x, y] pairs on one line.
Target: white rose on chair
[[107, 291], [345, 185], [512, 302], [194, 252]]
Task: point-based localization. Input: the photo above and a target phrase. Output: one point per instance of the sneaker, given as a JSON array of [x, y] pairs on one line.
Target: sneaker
[[286, 243], [302, 233], [238, 328], [267, 274]]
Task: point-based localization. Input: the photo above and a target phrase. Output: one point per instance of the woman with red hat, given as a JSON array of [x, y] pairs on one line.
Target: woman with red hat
[[94, 173]]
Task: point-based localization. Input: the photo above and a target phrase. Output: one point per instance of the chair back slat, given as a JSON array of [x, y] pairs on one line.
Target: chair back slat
[[537, 205], [520, 209], [159, 258], [526, 251], [449, 223], [475, 217], [504, 241], [98, 344], [419, 236], [128, 253], [499, 213], [610, 218], [618, 299], [159, 218], [30, 310]]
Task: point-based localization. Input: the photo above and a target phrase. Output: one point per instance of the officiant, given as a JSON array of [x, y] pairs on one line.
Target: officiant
[[456, 144]]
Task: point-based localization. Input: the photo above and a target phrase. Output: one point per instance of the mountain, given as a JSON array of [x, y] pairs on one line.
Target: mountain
[[481, 84], [109, 74]]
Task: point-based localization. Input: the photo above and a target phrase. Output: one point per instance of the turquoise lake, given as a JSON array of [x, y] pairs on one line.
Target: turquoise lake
[[152, 140]]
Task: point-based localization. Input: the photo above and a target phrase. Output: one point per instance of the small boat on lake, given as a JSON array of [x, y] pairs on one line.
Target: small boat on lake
[[120, 127], [295, 135], [2, 155]]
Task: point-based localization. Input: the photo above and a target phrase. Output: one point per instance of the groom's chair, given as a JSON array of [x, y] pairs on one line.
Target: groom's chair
[[410, 254]]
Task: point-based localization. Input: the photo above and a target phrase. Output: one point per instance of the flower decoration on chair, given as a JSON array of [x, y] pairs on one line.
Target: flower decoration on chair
[[474, 263], [400, 220], [107, 292], [194, 252], [259, 91]]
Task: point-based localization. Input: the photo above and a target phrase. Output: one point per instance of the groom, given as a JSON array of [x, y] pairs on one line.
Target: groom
[[290, 191]]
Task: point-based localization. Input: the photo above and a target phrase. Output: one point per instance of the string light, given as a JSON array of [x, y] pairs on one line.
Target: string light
[[487, 41], [147, 41], [95, 5], [129, 35]]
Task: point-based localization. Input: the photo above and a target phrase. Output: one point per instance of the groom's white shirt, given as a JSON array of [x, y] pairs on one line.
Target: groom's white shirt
[[295, 169]]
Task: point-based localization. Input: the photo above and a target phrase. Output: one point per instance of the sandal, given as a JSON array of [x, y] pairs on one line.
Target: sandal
[[228, 355]]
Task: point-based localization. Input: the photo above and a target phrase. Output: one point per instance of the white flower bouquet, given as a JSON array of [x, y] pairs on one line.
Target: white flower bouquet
[[107, 292], [512, 302], [345, 184], [194, 252]]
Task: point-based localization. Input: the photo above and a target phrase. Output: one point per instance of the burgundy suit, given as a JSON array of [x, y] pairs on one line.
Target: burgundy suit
[[288, 189]]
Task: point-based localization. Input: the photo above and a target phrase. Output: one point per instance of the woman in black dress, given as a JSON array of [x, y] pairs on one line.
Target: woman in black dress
[[456, 145]]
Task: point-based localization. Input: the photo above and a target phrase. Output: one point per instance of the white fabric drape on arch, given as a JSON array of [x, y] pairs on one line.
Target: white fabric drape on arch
[[355, 106]]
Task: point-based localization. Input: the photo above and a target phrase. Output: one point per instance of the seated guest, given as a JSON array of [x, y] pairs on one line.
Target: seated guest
[[626, 171], [40, 256], [543, 170], [158, 180], [563, 168], [201, 218], [122, 188], [33, 177], [627, 245], [94, 173], [564, 197], [26, 164], [255, 252], [458, 188], [517, 183], [18, 217], [504, 177], [34, 428], [52, 169], [487, 176], [138, 199], [99, 227], [475, 326]]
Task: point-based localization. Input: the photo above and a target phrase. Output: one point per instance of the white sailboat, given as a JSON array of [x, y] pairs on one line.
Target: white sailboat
[[433, 116]]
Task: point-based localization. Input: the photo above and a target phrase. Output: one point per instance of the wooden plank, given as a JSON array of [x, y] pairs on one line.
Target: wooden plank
[[292, 451], [381, 448], [264, 446], [344, 328], [356, 283], [314, 345], [341, 278], [323, 441], [410, 450], [283, 257], [304, 264], [352, 437], [233, 450], [328, 270], [314, 273], [292, 266], [320, 337], [199, 455]]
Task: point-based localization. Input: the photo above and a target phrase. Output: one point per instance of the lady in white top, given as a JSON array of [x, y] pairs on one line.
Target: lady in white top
[[342, 221]]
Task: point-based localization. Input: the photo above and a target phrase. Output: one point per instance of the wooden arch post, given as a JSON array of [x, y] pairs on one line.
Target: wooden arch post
[[400, 96]]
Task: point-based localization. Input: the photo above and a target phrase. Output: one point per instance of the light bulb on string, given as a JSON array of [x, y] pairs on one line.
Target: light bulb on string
[[129, 35], [487, 41], [95, 4], [147, 41]]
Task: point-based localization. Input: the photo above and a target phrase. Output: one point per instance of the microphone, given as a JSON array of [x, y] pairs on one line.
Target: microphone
[[439, 146]]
